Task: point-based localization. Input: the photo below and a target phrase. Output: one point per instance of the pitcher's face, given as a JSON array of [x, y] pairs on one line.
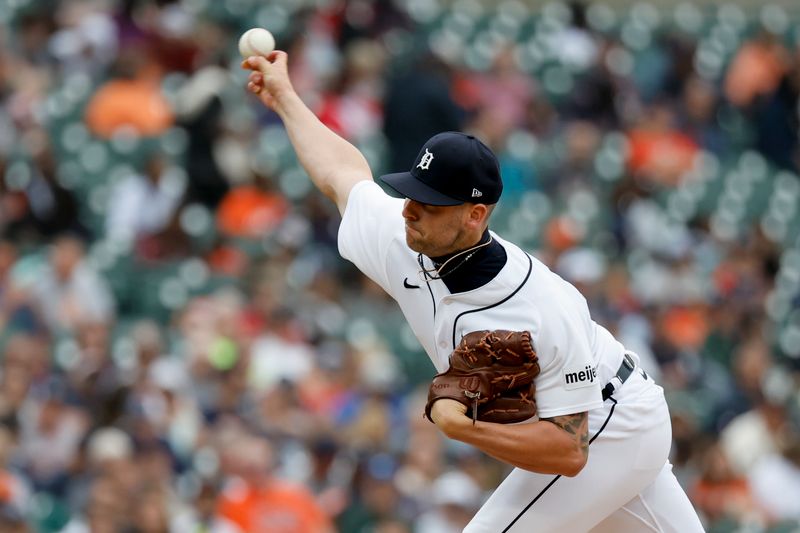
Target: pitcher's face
[[435, 231]]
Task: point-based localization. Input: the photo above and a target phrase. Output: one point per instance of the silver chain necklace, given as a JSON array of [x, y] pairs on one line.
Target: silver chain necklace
[[426, 274]]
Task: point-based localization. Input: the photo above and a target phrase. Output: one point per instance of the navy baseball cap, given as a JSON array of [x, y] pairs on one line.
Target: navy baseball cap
[[452, 168]]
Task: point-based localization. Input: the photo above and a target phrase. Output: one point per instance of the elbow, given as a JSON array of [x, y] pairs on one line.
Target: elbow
[[574, 464], [450, 430]]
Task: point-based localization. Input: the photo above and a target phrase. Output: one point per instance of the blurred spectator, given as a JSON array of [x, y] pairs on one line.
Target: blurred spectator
[[596, 96], [168, 416], [17, 313], [776, 482], [722, 494], [142, 205], [132, 99], [659, 152], [376, 498], [575, 170], [25, 74], [251, 210], [368, 422], [367, 19], [776, 119], [698, 117], [69, 290], [503, 91], [756, 69], [754, 435], [423, 458], [455, 498], [169, 31], [200, 111], [14, 213], [256, 500], [352, 107], [100, 386], [14, 488], [331, 474], [575, 45], [46, 207], [282, 413], [150, 511], [279, 354], [418, 104], [51, 432], [106, 510], [15, 380], [150, 349], [202, 515], [86, 40]]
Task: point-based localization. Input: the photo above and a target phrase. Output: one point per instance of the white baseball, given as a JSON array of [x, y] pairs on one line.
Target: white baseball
[[256, 42]]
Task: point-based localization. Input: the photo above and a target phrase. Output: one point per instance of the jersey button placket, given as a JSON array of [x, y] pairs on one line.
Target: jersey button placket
[[443, 341]]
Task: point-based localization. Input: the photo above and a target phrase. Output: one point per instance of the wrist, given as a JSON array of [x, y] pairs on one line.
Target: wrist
[[450, 426], [285, 100], [449, 416]]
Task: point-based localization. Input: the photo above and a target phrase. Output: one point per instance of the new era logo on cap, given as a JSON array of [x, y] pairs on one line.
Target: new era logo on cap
[[464, 170]]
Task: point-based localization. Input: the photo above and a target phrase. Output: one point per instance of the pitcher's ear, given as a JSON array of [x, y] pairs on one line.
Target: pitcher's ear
[[479, 214]]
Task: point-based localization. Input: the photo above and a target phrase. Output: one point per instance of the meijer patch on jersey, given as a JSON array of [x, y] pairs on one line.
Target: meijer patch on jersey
[[575, 378]]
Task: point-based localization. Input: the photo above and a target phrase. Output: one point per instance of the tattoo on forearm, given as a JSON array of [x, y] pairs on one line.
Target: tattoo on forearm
[[576, 425]]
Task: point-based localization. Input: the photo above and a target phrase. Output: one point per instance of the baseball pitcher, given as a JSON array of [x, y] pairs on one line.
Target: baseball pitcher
[[525, 374]]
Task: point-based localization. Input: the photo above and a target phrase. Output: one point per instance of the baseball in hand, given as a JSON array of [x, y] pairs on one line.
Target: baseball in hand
[[256, 42]]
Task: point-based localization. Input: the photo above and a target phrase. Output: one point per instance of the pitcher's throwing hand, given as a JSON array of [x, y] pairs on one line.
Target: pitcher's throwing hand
[[269, 77]]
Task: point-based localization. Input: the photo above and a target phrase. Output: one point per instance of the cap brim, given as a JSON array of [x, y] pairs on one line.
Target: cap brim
[[407, 186]]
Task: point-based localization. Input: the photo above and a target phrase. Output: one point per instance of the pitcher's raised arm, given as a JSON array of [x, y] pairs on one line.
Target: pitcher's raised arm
[[332, 163]]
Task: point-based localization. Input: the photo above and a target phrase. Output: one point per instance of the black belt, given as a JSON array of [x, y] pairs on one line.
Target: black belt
[[625, 370]]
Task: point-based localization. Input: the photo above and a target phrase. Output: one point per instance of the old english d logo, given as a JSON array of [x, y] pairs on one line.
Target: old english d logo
[[469, 383], [425, 161]]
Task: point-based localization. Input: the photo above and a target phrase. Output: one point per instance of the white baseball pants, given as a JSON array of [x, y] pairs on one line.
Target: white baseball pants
[[626, 486]]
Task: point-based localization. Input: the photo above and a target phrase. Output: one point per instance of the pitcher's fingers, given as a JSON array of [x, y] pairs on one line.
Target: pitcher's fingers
[[254, 88], [278, 57], [257, 63]]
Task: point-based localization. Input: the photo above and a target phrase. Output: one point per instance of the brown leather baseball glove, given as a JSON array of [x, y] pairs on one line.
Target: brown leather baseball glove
[[491, 372]]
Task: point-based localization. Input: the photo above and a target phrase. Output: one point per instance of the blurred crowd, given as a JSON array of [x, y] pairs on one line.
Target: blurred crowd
[[181, 348]]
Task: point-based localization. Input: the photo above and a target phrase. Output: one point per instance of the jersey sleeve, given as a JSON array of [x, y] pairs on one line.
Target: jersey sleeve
[[568, 382], [372, 222]]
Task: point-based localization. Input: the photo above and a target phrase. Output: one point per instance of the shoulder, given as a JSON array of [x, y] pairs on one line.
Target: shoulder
[[369, 191], [370, 210], [546, 287]]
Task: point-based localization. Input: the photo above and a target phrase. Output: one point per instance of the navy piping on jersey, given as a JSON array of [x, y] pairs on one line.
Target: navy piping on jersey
[[524, 281], [611, 412]]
